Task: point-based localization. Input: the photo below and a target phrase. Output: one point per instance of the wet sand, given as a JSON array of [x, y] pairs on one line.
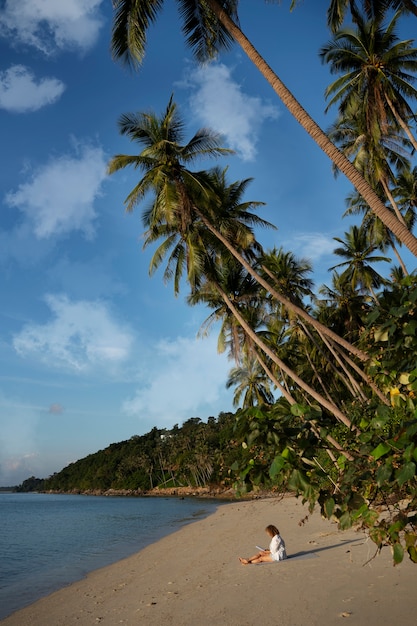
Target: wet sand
[[193, 577]]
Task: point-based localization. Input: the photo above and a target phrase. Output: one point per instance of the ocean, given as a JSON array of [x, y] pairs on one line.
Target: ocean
[[48, 541]]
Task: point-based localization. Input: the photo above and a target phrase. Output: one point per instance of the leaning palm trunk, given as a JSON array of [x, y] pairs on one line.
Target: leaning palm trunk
[[348, 380], [397, 254], [275, 380], [339, 159], [392, 202], [314, 428], [332, 408], [358, 370], [290, 306], [353, 365], [401, 123]]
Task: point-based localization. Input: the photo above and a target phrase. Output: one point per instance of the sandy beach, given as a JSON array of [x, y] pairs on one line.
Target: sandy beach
[[193, 578]]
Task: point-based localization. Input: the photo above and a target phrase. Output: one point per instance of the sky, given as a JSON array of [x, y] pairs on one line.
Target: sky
[[92, 350]]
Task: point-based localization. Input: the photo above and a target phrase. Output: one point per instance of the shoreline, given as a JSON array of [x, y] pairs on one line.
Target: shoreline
[[192, 577]]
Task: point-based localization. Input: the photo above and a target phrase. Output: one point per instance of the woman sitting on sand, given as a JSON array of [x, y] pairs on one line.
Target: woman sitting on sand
[[276, 551]]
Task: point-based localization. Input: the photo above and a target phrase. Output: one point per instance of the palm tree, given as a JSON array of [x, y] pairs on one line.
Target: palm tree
[[181, 201], [405, 192], [358, 252], [377, 232], [195, 241], [374, 8], [377, 156], [289, 274], [251, 384], [210, 26], [212, 288], [343, 307], [377, 74]]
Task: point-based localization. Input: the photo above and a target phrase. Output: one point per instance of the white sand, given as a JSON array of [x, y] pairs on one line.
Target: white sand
[[194, 578]]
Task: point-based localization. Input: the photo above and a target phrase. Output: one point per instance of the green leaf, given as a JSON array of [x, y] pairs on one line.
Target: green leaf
[[365, 437], [370, 516], [405, 473], [380, 450], [412, 430], [409, 452], [413, 553], [276, 466], [383, 474], [299, 410], [294, 482], [341, 461], [253, 436], [398, 553], [410, 539], [410, 328], [345, 521], [329, 507]]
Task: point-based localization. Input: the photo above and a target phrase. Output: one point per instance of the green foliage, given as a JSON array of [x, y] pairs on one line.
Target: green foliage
[[30, 484], [376, 488], [372, 480], [196, 454]]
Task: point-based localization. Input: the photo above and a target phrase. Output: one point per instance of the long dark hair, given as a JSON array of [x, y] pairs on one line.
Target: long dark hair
[[272, 530]]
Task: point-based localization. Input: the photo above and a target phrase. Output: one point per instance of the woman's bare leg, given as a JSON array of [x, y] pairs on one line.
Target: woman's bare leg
[[258, 558]]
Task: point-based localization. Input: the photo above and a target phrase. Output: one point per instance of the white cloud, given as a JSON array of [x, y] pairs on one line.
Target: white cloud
[[220, 103], [20, 92], [80, 336], [52, 24], [183, 378], [312, 246], [60, 196]]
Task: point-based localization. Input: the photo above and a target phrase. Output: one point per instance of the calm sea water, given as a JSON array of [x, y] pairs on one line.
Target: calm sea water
[[49, 541]]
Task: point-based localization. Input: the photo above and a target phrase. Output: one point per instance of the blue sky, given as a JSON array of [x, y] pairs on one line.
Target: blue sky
[[92, 350]]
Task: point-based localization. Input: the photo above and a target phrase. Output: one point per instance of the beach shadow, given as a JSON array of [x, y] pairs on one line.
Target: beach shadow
[[307, 554]]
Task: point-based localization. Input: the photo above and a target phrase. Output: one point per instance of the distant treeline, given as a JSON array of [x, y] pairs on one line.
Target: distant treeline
[[197, 454]]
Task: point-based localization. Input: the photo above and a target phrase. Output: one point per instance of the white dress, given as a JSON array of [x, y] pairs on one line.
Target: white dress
[[277, 548]]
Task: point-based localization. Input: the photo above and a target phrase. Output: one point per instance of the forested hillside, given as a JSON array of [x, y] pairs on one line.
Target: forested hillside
[[195, 455]]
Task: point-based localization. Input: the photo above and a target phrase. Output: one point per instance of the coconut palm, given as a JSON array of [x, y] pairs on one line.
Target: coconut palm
[[289, 274], [405, 192], [377, 232], [210, 26], [212, 289], [358, 252], [374, 8], [343, 307], [194, 242], [379, 157], [183, 198], [251, 385], [377, 73]]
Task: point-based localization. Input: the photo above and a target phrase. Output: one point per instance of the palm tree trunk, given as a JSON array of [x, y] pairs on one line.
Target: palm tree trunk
[[397, 254], [401, 122], [392, 201], [290, 306], [349, 382], [275, 380], [314, 428], [365, 377], [339, 159], [355, 367], [334, 410]]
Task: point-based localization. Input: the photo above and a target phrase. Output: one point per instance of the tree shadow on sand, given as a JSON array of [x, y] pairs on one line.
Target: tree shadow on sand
[[306, 554]]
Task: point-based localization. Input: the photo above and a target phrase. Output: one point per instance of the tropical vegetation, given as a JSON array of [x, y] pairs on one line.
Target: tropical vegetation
[[194, 455], [326, 377]]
